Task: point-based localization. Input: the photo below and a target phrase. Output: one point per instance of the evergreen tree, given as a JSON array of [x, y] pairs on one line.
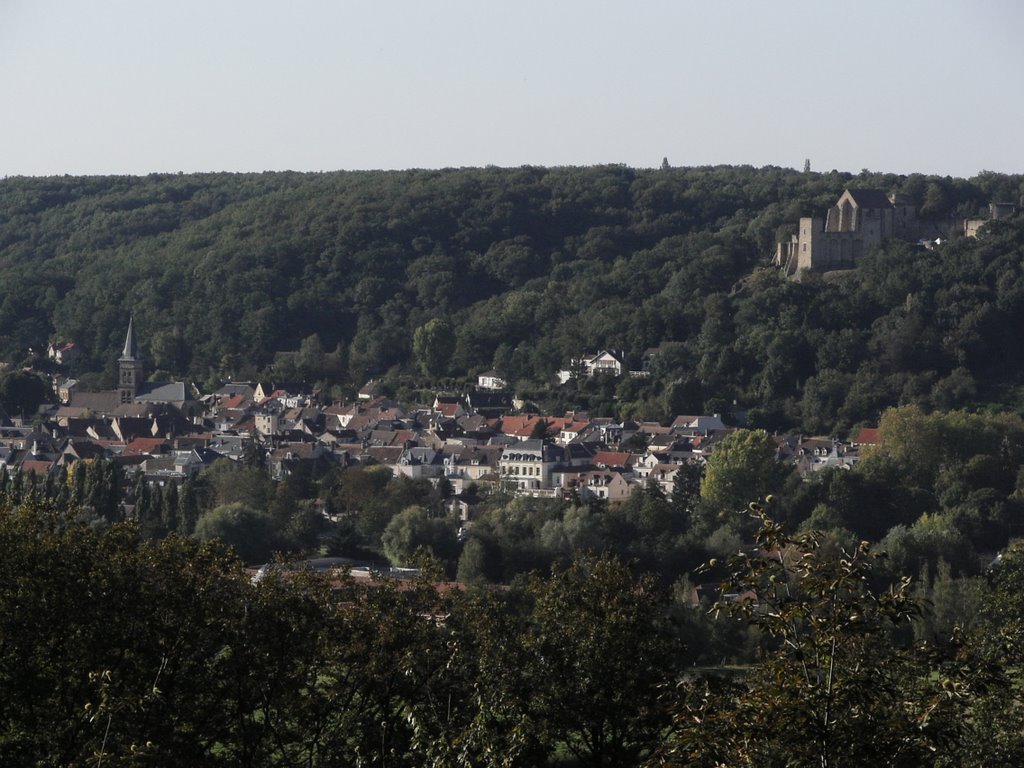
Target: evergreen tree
[[111, 505], [79, 470], [18, 486], [31, 485], [50, 485], [147, 508], [253, 454], [188, 508], [62, 488], [169, 508], [94, 496]]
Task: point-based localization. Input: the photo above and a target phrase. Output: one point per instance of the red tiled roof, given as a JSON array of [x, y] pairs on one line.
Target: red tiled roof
[[509, 425], [612, 458], [867, 436], [246, 425], [148, 445], [403, 436], [575, 425], [34, 465], [448, 409]]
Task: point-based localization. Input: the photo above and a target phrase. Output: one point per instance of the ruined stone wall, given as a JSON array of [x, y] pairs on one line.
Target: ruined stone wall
[[875, 226], [820, 250], [810, 233]]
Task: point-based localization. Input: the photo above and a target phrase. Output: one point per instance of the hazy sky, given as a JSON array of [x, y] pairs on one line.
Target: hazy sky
[[135, 86]]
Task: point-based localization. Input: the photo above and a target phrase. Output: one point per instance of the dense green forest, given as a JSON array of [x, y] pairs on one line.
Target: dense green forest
[[520, 269], [115, 651]]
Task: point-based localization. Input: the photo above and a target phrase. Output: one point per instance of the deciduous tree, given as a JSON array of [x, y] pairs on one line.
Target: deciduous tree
[[832, 689], [599, 649], [742, 466]]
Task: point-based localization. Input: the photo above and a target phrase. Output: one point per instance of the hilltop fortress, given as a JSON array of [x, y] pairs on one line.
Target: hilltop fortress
[[861, 219]]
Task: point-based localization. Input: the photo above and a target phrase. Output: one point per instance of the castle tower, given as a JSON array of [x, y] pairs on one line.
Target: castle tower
[[129, 367]]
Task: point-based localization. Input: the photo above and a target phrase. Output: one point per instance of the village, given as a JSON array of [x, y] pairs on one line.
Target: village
[[478, 442], [483, 439]]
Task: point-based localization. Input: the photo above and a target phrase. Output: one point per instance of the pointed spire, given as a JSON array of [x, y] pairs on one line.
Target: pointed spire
[[131, 350]]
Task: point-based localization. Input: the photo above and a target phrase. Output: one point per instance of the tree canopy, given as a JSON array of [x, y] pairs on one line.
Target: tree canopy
[[122, 651], [430, 274]]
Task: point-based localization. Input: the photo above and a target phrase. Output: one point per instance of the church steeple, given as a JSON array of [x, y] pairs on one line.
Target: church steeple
[[131, 349], [130, 366]]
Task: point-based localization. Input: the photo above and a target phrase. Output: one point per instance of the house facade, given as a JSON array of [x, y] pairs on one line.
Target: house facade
[[527, 465], [606, 362], [491, 380]]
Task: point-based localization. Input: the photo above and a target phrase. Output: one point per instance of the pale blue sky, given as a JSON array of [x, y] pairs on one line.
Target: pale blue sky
[[135, 86]]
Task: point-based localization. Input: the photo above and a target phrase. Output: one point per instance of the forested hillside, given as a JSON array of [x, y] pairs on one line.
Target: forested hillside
[[123, 652], [520, 269], [747, 618]]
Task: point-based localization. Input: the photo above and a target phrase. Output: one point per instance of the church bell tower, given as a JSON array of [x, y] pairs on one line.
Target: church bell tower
[[129, 366]]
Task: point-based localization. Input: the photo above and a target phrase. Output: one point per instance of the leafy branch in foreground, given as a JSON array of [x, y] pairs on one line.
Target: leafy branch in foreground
[[834, 685]]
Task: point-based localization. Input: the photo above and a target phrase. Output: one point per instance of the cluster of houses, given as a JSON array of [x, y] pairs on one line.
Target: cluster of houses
[[524, 454], [477, 441]]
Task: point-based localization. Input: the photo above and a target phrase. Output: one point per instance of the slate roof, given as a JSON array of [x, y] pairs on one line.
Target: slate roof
[[385, 454], [489, 400], [131, 427], [97, 402], [85, 449], [171, 392], [231, 390], [474, 455], [870, 198]]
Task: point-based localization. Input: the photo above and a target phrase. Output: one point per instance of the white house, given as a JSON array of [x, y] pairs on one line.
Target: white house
[[491, 380], [607, 362]]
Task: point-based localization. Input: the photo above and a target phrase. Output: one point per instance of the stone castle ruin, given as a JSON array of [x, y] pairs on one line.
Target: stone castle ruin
[[995, 211], [864, 218], [860, 220]]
